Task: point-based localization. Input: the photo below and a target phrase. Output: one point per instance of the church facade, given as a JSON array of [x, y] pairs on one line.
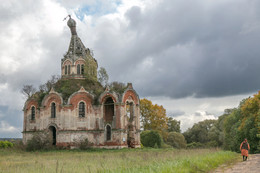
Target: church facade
[[108, 120]]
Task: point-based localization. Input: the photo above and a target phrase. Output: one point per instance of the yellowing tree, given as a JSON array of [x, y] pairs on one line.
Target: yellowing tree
[[250, 121], [153, 117]]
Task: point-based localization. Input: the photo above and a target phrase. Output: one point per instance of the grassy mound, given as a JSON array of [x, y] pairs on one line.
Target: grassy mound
[[66, 87]]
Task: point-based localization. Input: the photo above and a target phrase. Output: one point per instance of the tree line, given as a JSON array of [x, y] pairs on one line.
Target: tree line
[[227, 132]]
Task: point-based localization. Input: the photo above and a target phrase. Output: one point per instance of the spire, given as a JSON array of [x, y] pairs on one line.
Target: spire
[[76, 51], [76, 47]]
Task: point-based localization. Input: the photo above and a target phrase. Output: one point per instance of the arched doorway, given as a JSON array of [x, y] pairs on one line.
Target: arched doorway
[[52, 130]]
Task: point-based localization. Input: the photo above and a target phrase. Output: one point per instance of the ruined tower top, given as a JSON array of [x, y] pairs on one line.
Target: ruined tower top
[[72, 25], [78, 61]]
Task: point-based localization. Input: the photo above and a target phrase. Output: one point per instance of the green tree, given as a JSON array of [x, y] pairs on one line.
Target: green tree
[[118, 87], [250, 122], [176, 140], [232, 138], [199, 132], [216, 132], [103, 76], [242, 123], [173, 125], [151, 138]]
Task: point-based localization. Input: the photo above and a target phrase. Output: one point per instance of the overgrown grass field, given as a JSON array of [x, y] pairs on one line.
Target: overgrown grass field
[[125, 160]]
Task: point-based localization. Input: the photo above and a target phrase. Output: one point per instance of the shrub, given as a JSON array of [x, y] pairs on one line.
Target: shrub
[[19, 145], [164, 145], [212, 144], [176, 140], [83, 144], [151, 139], [6, 144], [195, 145], [39, 141]]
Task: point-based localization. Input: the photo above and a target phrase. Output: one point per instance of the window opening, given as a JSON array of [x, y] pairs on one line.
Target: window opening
[[81, 109], [53, 110], [109, 109], [108, 132], [78, 69], [33, 113], [66, 69], [82, 69]]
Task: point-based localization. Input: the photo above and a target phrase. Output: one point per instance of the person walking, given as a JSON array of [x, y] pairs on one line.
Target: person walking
[[244, 147]]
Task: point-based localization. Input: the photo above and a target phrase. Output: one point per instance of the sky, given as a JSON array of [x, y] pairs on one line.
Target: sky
[[196, 58]]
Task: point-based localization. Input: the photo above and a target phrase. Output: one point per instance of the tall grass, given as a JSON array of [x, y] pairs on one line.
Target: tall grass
[[126, 160]]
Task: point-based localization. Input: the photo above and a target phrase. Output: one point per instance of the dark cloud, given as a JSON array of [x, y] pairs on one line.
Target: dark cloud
[[195, 48]]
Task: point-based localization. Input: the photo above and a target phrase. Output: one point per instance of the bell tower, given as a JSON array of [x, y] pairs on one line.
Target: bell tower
[[78, 61]]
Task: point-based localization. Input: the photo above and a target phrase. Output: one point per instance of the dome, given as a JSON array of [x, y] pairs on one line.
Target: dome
[[71, 23]]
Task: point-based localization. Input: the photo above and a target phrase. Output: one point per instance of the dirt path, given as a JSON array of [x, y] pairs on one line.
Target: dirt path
[[252, 165]]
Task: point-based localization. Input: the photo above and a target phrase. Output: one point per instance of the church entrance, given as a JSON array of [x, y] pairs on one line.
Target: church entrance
[[52, 130]]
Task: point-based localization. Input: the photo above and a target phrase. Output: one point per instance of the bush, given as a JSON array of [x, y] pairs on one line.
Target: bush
[[39, 141], [6, 144], [19, 145], [212, 144], [176, 140], [83, 144], [151, 139], [164, 145], [195, 145]]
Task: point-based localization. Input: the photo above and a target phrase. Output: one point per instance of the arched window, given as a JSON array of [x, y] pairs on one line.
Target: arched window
[[78, 69], [109, 109], [82, 69], [68, 69], [81, 109], [53, 110], [108, 129], [66, 72], [33, 113]]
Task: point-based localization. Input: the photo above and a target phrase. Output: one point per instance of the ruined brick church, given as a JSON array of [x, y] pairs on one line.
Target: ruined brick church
[[108, 119]]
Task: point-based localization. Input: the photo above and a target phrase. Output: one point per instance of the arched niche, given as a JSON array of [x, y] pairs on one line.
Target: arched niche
[[108, 130]]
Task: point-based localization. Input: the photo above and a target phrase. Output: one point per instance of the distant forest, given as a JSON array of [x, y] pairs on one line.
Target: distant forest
[[231, 128], [10, 139], [227, 132]]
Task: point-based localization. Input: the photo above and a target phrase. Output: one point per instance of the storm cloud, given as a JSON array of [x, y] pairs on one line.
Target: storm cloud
[[187, 48]]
